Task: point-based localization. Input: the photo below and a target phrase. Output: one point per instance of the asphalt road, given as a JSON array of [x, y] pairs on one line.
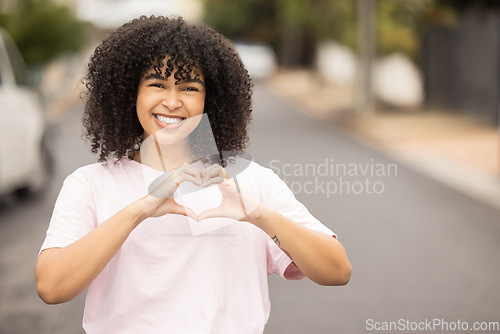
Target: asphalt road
[[420, 251]]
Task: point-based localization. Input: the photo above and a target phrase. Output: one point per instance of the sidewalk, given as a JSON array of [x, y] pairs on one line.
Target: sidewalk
[[451, 148]]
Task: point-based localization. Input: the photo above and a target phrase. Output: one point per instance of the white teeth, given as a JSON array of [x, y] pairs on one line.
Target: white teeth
[[168, 120]]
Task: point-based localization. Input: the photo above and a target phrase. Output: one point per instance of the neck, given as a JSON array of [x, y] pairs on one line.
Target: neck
[[164, 157]]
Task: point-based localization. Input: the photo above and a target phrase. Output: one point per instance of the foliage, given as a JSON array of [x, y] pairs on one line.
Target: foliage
[[274, 21], [43, 30], [399, 23], [264, 20], [251, 20], [334, 19]]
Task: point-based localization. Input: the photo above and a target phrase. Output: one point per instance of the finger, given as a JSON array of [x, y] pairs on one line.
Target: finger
[[182, 210], [227, 187], [168, 186], [212, 175], [210, 169], [191, 214], [188, 169], [214, 180], [210, 172], [212, 213], [165, 189], [186, 177], [209, 214], [187, 173], [178, 209], [226, 176], [195, 174]]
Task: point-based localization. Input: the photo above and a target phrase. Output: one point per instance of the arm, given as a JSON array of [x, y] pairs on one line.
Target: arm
[[319, 256], [63, 273]]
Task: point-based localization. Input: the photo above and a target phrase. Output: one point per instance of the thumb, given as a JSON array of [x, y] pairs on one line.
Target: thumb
[[180, 209], [191, 214], [210, 213]]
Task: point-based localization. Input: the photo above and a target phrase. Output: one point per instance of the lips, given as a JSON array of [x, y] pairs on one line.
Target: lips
[[171, 121]]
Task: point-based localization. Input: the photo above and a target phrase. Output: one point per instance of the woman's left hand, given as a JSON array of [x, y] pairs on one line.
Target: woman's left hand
[[236, 202]]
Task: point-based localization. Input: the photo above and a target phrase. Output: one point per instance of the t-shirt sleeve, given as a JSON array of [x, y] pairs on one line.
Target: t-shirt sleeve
[[74, 213], [281, 199]]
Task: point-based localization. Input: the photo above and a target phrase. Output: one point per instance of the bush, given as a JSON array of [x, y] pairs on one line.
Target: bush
[[43, 30]]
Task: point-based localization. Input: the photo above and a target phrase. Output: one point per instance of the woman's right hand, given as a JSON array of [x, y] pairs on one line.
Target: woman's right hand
[[63, 273], [160, 198]]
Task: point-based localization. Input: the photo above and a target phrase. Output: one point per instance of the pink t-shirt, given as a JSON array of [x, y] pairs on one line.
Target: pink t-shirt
[[164, 279]]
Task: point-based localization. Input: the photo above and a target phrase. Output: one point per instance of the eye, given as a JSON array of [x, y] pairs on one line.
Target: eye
[[191, 89], [155, 84]]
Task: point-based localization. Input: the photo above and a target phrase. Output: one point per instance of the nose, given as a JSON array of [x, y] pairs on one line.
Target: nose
[[171, 100]]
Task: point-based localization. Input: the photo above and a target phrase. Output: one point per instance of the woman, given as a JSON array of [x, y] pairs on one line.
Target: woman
[[131, 244]]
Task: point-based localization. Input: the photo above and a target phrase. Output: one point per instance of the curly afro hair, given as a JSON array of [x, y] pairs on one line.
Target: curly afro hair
[[119, 62]]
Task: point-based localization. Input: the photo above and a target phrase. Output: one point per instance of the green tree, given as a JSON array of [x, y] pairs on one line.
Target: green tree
[[252, 20], [292, 27], [304, 23], [399, 24], [43, 30]]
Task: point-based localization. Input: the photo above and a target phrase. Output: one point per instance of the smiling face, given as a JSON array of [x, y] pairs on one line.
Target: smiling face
[[166, 105]]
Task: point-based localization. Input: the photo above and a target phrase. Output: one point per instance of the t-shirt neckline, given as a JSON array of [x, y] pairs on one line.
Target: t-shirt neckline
[[140, 166]]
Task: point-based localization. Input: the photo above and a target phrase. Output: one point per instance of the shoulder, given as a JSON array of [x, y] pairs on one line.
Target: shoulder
[[254, 178], [246, 168], [97, 171]]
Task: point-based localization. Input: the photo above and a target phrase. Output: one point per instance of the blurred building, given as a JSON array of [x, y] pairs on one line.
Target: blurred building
[[461, 62], [110, 14]]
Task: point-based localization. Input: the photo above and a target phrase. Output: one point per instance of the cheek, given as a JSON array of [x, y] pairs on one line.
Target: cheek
[[201, 105], [139, 111], [142, 107]]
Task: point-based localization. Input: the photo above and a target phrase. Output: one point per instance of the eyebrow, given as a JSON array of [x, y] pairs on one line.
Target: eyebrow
[[161, 77]]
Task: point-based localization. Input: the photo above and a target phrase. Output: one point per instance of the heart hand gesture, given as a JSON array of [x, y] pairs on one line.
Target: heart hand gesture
[[160, 201], [235, 204]]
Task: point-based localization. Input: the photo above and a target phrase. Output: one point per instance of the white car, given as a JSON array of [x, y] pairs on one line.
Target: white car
[[24, 159], [259, 59]]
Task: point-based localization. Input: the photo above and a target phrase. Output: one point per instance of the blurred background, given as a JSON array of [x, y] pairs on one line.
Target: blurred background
[[364, 84]]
